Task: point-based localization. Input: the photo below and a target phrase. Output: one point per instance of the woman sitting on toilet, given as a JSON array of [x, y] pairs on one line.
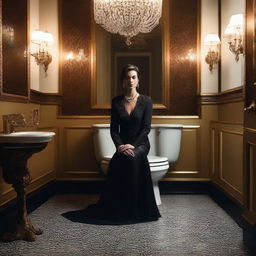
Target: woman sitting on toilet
[[128, 195]]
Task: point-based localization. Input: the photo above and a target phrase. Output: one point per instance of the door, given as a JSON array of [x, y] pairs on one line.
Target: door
[[250, 115]]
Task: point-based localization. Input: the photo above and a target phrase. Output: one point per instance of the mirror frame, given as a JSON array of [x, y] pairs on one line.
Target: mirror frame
[[165, 63]]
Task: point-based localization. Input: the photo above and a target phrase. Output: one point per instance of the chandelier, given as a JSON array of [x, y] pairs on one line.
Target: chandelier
[[128, 17]]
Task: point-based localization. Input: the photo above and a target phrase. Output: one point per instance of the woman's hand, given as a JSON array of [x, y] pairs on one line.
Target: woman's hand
[[127, 149], [124, 147], [129, 152]]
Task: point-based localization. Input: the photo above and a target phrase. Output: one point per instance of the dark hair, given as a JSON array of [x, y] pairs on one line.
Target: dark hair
[[127, 68]]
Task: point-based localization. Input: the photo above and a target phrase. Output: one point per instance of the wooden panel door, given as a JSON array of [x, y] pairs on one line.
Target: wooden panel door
[[250, 114]]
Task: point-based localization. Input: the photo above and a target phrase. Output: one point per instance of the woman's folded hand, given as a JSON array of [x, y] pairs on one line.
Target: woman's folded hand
[[124, 147], [127, 149]]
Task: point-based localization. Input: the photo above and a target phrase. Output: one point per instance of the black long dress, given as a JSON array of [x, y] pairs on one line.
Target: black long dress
[[128, 195]]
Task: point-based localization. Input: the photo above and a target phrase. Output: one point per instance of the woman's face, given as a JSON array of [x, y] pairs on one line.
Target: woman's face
[[131, 80]]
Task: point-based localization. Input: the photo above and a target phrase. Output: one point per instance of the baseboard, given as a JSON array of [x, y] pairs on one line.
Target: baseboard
[[249, 238], [184, 187], [87, 187]]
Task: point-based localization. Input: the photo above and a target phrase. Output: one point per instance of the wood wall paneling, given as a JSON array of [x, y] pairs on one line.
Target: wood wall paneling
[[250, 175], [14, 49], [227, 158], [78, 155], [231, 160]]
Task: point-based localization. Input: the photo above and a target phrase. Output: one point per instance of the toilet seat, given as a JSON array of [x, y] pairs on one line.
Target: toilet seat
[[156, 163]]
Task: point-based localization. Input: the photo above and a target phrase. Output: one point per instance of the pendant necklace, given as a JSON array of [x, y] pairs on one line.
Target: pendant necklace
[[131, 99]]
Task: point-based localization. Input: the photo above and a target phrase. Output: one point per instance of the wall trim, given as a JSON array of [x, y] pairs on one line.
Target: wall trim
[[45, 98], [108, 117], [226, 122], [232, 95], [14, 98]]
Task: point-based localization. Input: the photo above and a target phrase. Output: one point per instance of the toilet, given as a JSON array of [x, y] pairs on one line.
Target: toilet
[[164, 151]]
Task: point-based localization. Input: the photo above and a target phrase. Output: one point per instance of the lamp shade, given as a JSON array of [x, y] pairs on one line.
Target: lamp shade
[[37, 36], [236, 20], [48, 38], [41, 37], [212, 39], [235, 25]]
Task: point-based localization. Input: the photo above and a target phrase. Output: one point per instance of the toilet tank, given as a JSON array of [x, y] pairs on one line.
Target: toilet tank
[[164, 140], [167, 140], [103, 143]]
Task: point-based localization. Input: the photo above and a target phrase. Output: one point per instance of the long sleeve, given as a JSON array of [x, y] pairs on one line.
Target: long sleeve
[[146, 124], [114, 126]]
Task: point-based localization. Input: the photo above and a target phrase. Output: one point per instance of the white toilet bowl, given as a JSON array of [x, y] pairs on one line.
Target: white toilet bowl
[[158, 167], [164, 150]]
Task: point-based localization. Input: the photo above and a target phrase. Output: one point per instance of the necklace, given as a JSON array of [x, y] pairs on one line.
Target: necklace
[[131, 99]]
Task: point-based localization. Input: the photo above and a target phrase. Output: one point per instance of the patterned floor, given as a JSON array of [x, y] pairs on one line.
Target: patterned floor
[[190, 225]]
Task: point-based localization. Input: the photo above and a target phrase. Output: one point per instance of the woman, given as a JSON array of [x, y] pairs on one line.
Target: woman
[[128, 196]]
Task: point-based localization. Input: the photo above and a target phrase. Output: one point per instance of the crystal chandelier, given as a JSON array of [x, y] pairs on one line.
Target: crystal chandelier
[[127, 17]]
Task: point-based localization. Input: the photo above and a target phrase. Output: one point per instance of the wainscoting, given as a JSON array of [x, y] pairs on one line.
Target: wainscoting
[[227, 157]]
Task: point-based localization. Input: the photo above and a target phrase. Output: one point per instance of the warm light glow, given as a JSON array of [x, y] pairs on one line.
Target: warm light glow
[[191, 56], [128, 17], [70, 56], [80, 56]]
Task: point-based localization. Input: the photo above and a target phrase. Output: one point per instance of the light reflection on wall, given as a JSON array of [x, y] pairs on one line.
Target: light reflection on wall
[[8, 34], [80, 56], [190, 56]]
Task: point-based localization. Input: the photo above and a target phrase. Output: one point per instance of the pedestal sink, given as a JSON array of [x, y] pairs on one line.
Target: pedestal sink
[[15, 149]]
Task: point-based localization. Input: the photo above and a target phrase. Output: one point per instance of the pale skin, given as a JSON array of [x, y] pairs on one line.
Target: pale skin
[[130, 83]]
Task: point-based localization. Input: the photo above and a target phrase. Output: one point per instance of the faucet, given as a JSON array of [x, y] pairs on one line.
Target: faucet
[[12, 121]]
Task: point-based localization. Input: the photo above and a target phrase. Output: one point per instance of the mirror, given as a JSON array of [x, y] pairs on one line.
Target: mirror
[[13, 46], [146, 52], [228, 63]]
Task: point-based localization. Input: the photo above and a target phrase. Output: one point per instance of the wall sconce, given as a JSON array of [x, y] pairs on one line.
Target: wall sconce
[[212, 57], [42, 56], [80, 56], [234, 33]]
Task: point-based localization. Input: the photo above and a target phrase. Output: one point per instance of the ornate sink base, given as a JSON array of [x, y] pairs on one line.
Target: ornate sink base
[[13, 159]]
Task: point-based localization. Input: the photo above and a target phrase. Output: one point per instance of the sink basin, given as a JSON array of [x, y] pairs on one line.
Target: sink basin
[[26, 137]]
